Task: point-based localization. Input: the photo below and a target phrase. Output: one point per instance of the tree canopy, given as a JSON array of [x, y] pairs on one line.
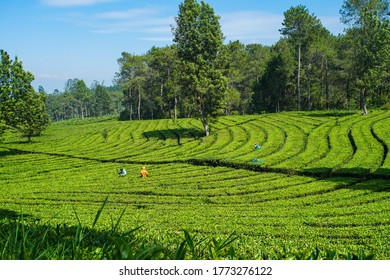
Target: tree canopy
[[21, 108], [200, 75], [368, 36], [199, 42]]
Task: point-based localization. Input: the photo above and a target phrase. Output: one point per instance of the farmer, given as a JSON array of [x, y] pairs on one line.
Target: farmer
[[122, 172], [144, 173], [257, 146]]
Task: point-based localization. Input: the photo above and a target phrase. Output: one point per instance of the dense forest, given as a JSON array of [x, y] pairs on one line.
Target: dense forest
[[307, 69], [80, 101]]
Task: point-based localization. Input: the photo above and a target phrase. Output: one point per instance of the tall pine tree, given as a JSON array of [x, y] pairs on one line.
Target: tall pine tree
[[21, 107], [370, 47], [199, 40], [302, 29]]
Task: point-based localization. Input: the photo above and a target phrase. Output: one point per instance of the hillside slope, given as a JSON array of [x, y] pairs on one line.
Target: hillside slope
[[314, 142], [324, 181]]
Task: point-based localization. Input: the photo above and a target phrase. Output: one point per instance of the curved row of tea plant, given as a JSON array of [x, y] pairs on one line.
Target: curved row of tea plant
[[266, 210], [210, 186], [348, 144]]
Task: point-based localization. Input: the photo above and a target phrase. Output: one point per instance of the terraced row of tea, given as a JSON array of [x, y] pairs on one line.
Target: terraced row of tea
[[72, 169]]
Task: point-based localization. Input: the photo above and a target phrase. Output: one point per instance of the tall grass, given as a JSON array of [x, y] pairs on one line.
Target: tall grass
[[23, 238]]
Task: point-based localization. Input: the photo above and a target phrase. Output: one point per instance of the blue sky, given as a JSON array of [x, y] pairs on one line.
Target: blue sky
[[64, 39]]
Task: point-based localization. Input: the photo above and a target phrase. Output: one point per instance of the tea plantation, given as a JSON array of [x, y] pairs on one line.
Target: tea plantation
[[318, 187]]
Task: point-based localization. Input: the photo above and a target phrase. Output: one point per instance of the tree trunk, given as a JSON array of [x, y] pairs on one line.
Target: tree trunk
[[327, 84], [162, 99], [206, 127], [130, 107], [175, 107], [299, 77], [139, 103], [309, 99], [363, 105], [82, 111]]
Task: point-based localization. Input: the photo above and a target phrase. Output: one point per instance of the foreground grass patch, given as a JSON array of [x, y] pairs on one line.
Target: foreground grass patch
[[24, 238]]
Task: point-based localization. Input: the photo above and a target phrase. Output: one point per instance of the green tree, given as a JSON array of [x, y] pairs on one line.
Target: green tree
[[274, 91], [164, 66], [245, 64], [369, 35], [199, 41], [132, 78], [320, 71], [301, 29], [116, 97], [55, 107], [21, 107], [83, 95], [236, 59], [79, 97], [3, 128], [352, 10], [102, 101], [258, 58]]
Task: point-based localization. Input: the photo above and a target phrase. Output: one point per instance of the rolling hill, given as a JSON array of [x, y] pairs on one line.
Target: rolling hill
[[320, 181]]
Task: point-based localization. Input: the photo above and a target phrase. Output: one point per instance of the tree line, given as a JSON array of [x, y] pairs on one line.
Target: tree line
[[307, 69], [80, 101], [201, 76]]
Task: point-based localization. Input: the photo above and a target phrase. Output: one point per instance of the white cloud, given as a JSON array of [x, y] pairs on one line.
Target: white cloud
[[69, 3], [252, 26], [155, 26], [158, 39], [146, 20], [48, 76], [247, 26], [129, 14]]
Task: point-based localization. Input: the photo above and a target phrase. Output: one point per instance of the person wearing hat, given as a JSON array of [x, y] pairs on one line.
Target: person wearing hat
[[122, 172], [257, 146], [144, 173]]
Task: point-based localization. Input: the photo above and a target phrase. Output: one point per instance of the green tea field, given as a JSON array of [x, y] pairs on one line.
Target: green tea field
[[319, 181]]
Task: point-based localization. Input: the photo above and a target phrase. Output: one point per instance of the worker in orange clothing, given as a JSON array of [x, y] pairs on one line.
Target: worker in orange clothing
[[144, 173]]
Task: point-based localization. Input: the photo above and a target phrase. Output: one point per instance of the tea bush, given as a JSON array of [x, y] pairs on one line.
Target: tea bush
[[321, 193]]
